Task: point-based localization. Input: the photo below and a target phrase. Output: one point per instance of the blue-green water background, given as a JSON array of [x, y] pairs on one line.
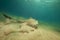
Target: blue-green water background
[[45, 11]]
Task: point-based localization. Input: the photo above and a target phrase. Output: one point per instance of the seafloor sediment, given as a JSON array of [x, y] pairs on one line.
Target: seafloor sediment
[[25, 30]]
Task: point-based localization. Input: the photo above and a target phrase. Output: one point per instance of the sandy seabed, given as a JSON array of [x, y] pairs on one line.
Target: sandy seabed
[[37, 34], [13, 31]]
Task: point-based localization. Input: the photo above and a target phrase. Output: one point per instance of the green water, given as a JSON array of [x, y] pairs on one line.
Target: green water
[[46, 11]]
